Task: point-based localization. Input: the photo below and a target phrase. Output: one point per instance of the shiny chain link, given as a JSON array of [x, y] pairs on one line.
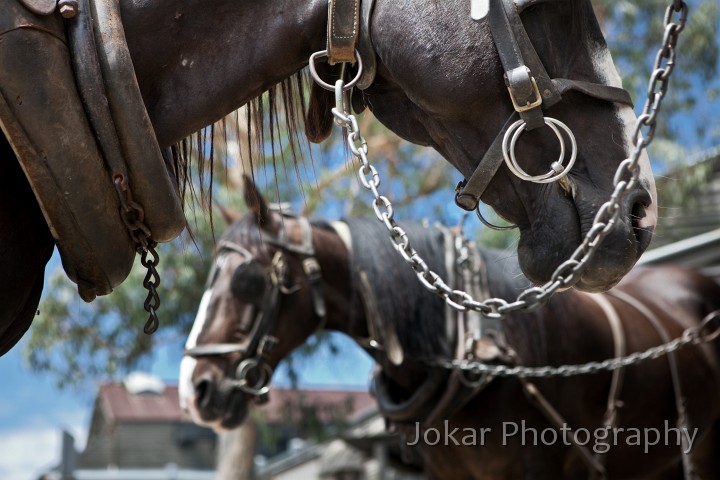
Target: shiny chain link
[[707, 331], [133, 217], [567, 272]]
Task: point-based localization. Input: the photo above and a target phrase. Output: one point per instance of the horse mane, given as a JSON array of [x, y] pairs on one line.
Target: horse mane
[[416, 315], [273, 121]]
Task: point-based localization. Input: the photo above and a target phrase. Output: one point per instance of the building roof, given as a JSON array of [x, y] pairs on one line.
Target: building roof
[[118, 405], [328, 403], [689, 199]]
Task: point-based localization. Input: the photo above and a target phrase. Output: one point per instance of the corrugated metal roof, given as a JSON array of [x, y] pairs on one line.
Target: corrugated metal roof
[[696, 252], [325, 401]]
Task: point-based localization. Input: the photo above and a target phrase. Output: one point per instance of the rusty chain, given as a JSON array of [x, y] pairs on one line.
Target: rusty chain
[[133, 216], [567, 272]]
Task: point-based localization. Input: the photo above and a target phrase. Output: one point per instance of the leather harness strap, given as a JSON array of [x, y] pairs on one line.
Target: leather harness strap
[[89, 77], [620, 344], [365, 46], [151, 185], [343, 27], [469, 191], [525, 75], [310, 265], [537, 399], [613, 401], [468, 327], [680, 401]]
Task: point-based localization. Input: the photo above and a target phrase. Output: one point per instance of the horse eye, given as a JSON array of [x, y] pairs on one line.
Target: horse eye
[[248, 283]]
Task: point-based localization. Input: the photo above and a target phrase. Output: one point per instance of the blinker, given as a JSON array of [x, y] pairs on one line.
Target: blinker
[[249, 282]]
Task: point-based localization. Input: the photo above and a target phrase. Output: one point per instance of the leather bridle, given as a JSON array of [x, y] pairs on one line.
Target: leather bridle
[[531, 91], [530, 87], [253, 372]]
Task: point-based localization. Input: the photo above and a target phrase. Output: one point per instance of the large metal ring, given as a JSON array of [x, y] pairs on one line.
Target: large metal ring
[[323, 54], [558, 170], [261, 386]]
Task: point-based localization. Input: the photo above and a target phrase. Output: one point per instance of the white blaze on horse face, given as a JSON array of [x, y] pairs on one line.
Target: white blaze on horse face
[[605, 69], [186, 390]]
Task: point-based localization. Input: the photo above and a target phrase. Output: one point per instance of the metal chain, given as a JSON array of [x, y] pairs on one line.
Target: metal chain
[[150, 260], [707, 331], [133, 216], [604, 221]]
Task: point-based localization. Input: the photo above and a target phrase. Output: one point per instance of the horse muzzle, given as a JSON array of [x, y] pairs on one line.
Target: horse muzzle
[[216, 404], [546, 245], [624, 244]]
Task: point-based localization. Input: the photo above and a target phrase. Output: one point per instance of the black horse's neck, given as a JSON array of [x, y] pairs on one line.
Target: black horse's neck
[[343, 315], [197, 61]]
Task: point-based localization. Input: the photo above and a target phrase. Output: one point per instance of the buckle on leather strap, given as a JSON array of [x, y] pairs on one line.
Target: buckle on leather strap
[[521, 84], [312, 269]]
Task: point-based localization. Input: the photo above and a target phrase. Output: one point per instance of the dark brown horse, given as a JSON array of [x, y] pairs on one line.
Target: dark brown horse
[[439, 83], [346, 277]]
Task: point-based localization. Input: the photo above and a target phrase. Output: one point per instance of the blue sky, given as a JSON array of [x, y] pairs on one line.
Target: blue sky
[[32, 414]]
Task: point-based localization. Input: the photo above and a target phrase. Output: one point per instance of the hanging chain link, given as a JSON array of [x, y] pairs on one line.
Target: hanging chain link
[[566, 273], [707, 331], [133, 216]]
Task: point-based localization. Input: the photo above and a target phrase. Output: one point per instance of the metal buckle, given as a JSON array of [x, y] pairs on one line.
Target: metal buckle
[[312, 269], [529, 105]]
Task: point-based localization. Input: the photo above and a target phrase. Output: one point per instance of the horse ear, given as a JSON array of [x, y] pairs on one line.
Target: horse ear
[[319, 118], [229, 216], [256, 203]]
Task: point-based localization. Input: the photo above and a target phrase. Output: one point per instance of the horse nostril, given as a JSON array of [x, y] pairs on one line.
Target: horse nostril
[[639, 203], [203, 392]]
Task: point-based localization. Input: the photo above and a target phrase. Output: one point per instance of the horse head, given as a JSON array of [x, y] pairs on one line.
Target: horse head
[[263, 298], [440, 82]]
